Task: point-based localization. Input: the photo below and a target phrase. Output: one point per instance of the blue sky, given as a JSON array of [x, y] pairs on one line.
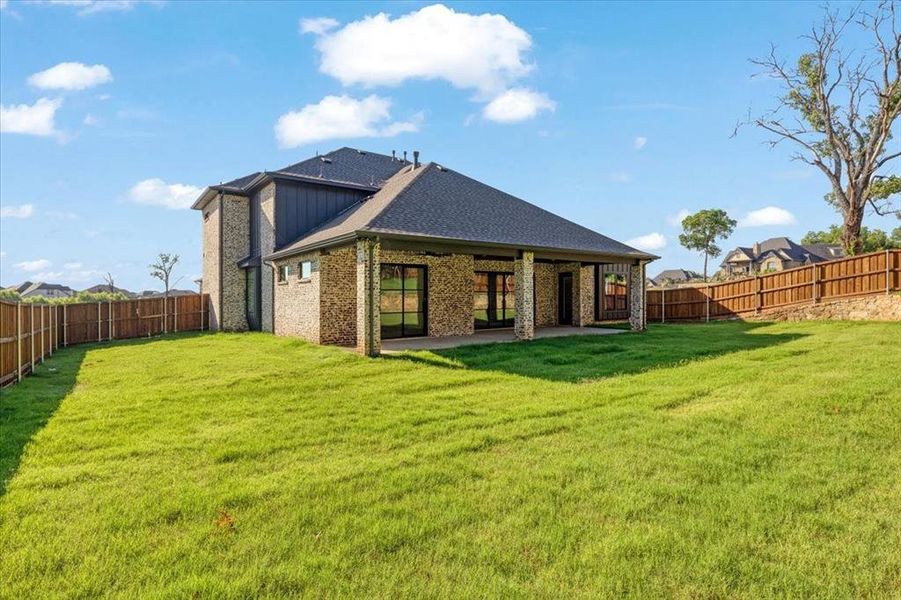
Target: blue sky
[[617, 116]]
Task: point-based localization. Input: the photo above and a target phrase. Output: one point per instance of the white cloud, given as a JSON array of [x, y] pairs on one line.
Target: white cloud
[[72, 265], [90, 120], [651, 241], [89, 7], [340, 117], [517, 104], [676, 219], [2, 254], [4, 4], [71, 76], [318, 25], [639, 142], [62, 215], [33, 265], [769, 215], [482, 52], [156, 192], [22, 211], [35, 119]]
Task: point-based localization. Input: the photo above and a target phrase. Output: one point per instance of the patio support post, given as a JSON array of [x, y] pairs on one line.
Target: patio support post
[[369, 336], [523, 296], [637, 297]]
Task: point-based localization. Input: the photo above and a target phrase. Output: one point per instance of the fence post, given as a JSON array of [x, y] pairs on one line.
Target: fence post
[[65, 327], [31, 337], [99, 324], [43, 348], [203, 309], [109, 322], [707, 294], [756, 293], [888, 278], [813, 294], [663, 305], [50, 319], [18, 341], [165, 302]]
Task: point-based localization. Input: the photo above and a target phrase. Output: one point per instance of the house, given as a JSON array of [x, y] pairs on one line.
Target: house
[[353, 247], [776, 254], [676, 276], [102, 288], [43, 289]]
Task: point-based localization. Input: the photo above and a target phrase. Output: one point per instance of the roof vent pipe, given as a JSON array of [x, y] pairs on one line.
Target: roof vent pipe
[[416, 159], [405, 156], [393, 156]]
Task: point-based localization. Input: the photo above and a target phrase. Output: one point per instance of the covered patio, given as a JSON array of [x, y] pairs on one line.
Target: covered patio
[[488, 336]]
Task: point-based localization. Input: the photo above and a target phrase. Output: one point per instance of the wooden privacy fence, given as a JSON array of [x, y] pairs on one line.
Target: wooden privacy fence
[[867, 274], [31, 332]]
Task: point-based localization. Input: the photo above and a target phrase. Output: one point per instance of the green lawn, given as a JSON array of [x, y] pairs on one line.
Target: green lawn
[[693, 461]]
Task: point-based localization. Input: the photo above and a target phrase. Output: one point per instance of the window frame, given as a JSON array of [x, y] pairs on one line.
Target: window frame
[[300, 275], [424, 306], [501, 323], [283, 279]]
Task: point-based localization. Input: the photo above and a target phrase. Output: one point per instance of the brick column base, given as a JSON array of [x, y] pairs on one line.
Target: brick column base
[[637, 313]]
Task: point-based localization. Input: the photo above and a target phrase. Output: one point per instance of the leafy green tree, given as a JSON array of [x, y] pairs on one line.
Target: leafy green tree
[[871, 240], [841, 108], [10, 295], [701, 230]]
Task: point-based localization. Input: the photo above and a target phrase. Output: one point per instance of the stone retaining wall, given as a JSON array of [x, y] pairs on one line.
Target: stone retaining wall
[[882, 307]]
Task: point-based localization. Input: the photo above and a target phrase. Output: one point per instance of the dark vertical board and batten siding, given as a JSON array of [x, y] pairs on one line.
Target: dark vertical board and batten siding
[[301, 207]]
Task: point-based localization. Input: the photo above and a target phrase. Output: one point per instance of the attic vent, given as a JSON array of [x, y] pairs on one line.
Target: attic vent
[[361, 152], [440, 168], [325, 160]]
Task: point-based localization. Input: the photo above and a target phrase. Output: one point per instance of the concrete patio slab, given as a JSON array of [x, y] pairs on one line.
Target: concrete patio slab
[[490, 336]]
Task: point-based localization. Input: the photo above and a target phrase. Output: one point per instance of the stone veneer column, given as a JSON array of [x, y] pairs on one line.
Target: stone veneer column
[[637, 313], [524, 296], [369, 335]]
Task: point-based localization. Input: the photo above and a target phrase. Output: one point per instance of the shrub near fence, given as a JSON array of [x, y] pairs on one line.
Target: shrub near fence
[[31, 332], [867, 274]]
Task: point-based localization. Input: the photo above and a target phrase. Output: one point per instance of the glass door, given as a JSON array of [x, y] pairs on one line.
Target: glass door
[[493, 300], [402, 303]]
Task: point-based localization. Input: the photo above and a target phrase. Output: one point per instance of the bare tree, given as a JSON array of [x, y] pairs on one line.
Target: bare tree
[[162, 269], [839, 108], [110, 284]]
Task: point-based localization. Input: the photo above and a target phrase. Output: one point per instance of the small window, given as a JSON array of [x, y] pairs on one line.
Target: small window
[[284, 272], [305, 269]]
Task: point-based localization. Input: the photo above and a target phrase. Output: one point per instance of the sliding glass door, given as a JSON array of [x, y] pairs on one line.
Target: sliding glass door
[[493, 300], [403, 300]]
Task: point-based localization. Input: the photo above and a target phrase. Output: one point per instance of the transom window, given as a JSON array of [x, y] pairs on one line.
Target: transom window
[[493, 299], [402, 304]]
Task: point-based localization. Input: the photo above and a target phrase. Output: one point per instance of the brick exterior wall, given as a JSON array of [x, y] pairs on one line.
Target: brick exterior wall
[[545, 295], [297, 302], [338, 306], [368, 265], [223, 280], [450, 289], [211, 257], [267, 246]]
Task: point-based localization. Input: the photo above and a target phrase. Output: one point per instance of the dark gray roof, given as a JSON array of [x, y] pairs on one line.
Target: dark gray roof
[[676, 275], [347, 165], [341, 166], [784, 247], [435, 202]]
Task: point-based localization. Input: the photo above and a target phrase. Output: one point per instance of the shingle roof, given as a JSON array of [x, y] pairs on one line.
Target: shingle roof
[[344, 165], [787, 249], [676, 275], [436, 202]]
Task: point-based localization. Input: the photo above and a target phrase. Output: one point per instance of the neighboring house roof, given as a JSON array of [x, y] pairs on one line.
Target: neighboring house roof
[[786, 250], [342, 167], [676, 275], [102, 288], [40, 288], [433, 202]]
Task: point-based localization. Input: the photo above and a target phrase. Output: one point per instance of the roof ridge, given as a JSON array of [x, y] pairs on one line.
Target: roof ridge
[[416, 173]]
